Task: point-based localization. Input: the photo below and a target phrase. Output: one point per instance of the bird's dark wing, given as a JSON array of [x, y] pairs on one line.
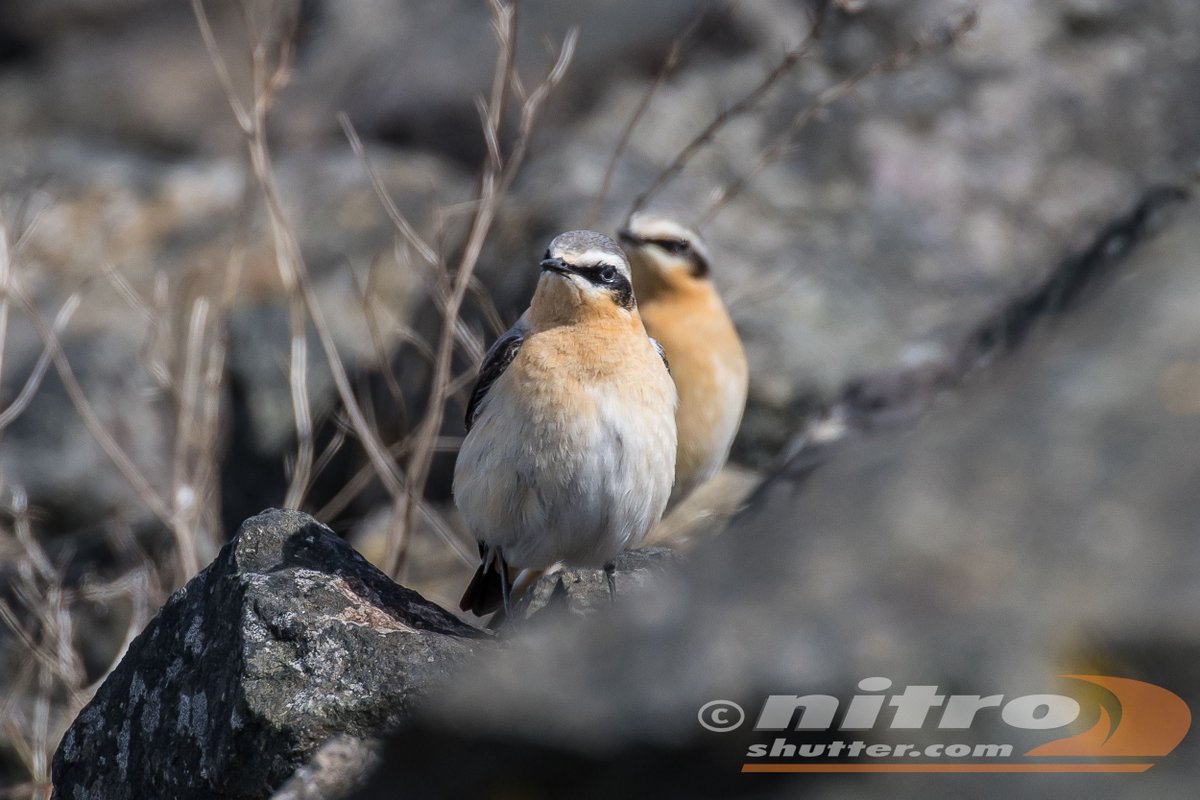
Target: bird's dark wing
[[661, 352], [494, 363]]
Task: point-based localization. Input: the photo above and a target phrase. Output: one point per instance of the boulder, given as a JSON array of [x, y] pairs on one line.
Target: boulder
[[288, 638]]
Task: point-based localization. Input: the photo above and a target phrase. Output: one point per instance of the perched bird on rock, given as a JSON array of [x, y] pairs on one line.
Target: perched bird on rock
[[681, 308], [570, 447]]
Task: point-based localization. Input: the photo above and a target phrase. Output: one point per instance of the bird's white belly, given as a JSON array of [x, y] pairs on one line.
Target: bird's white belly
[[578, 487]]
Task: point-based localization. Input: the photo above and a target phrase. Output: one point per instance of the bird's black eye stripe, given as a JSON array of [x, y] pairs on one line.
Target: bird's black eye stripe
[[684, 249], [675, 247], [602, 273], [610, 278]]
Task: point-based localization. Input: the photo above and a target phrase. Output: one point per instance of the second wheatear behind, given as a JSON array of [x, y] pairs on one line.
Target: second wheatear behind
[[681, 308]]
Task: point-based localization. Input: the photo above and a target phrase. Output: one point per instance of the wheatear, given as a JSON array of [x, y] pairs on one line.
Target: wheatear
[[570, 447], [681, 309]]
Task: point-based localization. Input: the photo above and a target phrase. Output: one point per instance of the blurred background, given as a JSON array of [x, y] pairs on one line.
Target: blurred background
[[226, 270]]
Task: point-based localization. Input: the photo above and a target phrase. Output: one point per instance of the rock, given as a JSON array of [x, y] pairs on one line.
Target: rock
[[899, 397], [339, 767], [288, 638], [138, 71], [356, 52], [1039, 522], [130, 69], [582, 592]]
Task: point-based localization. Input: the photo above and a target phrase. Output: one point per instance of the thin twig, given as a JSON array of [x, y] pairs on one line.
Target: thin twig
[[184, 497], [5, 279], [88, 413], [40, 613], [393, 211], [218, 61], [205, 459], [742, 106], [154, 318], [893, 62], [267, 81], [669, 65], [270, 72], [26, 395], [375, 332]]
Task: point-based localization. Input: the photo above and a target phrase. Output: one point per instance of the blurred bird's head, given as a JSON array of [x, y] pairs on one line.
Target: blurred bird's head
[[584, 272], [666, 255]]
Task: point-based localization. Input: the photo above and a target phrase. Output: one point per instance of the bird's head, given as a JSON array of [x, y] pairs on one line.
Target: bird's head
[[666, 255], [584, 272]]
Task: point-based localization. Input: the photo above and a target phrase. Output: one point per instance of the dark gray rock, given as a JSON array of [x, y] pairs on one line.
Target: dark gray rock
[[138, 72], [287, 639]]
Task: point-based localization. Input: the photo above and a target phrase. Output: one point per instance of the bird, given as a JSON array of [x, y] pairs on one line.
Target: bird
[[570, 448], [681, 308]]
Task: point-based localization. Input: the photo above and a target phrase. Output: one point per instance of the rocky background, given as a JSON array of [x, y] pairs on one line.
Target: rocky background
[[978, 425]]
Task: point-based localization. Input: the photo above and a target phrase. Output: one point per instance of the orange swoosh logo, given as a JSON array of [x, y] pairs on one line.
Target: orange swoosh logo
[[1153, 722]]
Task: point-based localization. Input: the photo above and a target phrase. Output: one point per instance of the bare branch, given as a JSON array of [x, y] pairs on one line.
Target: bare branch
[[25, 397], [398, 219], [742, 106], [375, 332], [5, 278], [49, 673], [294, 272], [218, 61], [184, 497], [901, 59], [90, 419], [669, 65]]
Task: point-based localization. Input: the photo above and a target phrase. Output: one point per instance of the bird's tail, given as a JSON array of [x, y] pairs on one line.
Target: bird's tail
[[485, 593]]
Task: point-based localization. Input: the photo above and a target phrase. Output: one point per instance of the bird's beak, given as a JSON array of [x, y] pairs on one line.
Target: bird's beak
[[628, 237], [555, 265]]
